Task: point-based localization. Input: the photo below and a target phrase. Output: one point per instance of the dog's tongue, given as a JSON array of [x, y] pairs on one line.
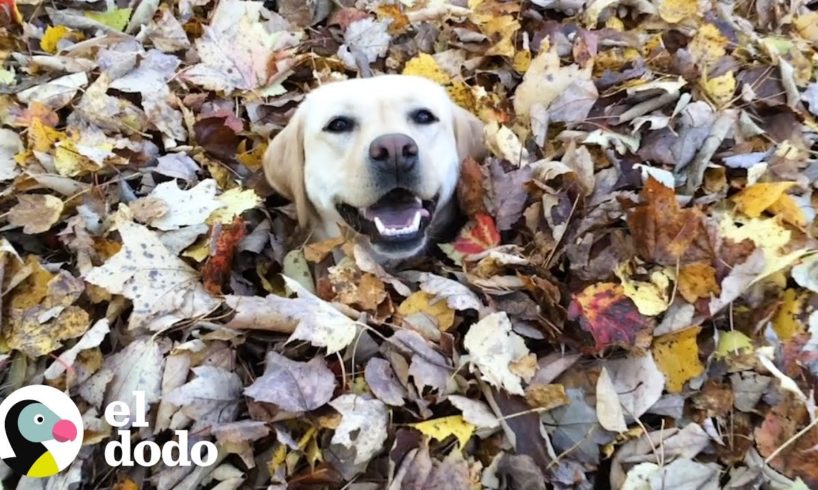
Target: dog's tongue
[[396, 218], [394, 215]]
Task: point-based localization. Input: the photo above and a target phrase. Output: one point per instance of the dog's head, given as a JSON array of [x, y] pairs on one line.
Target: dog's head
[[380, 155]]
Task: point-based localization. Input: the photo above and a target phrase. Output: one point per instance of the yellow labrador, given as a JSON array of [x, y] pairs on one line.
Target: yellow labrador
[[381, 155]]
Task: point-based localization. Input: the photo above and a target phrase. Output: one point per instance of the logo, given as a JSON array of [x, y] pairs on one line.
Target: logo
[[40, 431], [148, 453]]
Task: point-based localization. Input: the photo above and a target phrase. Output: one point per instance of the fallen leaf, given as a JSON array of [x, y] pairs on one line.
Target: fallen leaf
[[732, 342], [293, 386], [163, 288], [756, 198], [638, 382], [796, 458], [424, 303], [236, 49], [380, 377], [677, 356], [608, 315], [477, 237], [608, 408], [233, 203], [440, 429], [115, 18], [10, 145], [475, 412], [318, 322], [185, 208], [663, 231], [785, 321], [544, 81], [36, 213], [424, 65], [212, 397], [363, 426], [493, 348], [225, 239], [697, 280], [651, 298], [458, 296]]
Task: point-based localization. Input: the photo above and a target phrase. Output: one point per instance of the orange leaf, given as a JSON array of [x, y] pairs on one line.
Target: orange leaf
[[478, 236], [665, 233], [217, 269]]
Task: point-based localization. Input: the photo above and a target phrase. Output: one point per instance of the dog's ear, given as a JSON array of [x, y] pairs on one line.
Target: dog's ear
[[284, 166], [468, 133]]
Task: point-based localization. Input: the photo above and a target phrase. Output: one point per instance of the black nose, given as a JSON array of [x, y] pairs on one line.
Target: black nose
[[394, 152]]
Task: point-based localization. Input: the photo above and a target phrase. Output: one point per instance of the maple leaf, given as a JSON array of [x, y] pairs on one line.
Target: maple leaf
[[478, 236], [608, 315], [665, 233]]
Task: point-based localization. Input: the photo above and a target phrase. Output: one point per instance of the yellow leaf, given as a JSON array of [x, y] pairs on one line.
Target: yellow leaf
[[114, 18], [697, 280], [423, 302], [785, 321], [720, 89], [766, 234], [675, 11], [501, 28], [440, 429], [36, 338], [424, 65], [31, 291], [708, 45], [733, 342], [651, 298], [756, 198], [462, 95], [677, 356], [68, 161], [251, 158], [788, 209], [807, 26], [522, 60], [198, 251], [53, 35], [42, 137], [235, 201], [278, 458]]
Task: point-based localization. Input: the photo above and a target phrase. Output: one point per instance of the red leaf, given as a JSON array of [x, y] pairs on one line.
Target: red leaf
[[478, 236], [610, 316], [224, 241], [8, 10]]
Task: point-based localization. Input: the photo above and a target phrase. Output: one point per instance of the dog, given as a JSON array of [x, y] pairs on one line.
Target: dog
[[379, 155]]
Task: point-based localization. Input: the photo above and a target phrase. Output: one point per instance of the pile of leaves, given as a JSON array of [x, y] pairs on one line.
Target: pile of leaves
[[630, 304]]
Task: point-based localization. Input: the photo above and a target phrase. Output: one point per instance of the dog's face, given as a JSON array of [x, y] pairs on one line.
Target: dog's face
[[379, 155]]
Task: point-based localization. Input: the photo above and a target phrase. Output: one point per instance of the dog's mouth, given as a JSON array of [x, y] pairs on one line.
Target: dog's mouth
[[398, 216]]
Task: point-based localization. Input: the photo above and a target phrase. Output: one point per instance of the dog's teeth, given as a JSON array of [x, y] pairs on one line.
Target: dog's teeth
[[415, 226], [382, 229]]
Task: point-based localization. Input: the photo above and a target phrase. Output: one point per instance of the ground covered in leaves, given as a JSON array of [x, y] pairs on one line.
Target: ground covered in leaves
[[631, 303]]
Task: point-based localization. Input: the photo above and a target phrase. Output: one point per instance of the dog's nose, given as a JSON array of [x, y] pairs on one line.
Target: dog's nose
[[394, 152]]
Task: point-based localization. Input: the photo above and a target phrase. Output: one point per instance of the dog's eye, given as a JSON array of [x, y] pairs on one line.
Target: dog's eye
[[340, 124], [422, 116]]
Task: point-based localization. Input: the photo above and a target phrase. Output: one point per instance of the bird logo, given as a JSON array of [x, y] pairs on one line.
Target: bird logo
[[41, 431]]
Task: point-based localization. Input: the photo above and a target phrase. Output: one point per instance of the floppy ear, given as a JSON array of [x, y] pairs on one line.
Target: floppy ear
[[284, 167], [468, 133]]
